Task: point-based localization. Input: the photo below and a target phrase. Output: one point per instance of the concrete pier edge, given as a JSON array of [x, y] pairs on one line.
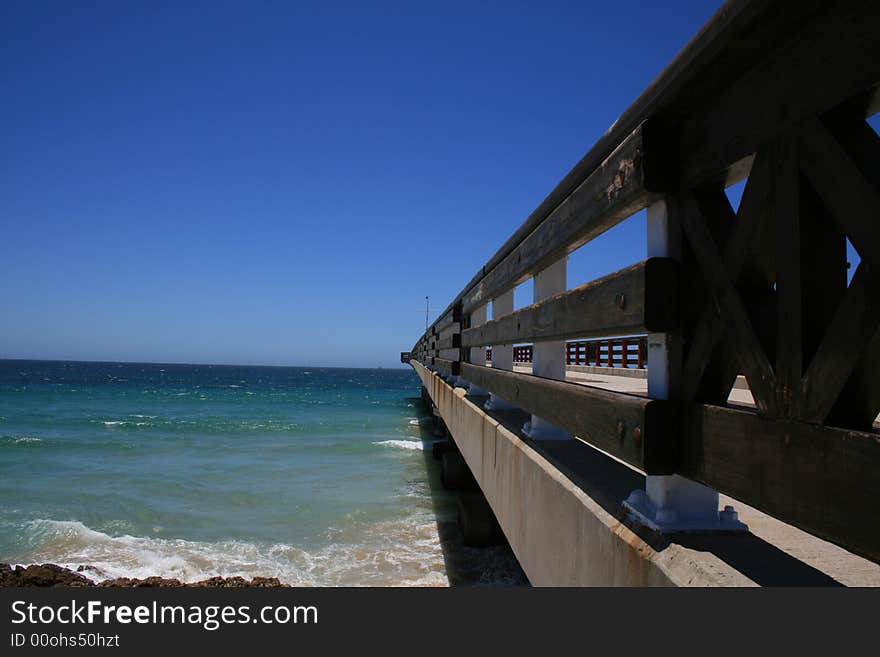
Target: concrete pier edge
[[564, 536]]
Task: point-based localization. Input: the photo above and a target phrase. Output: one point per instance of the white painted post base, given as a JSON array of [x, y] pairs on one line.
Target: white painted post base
[[497, 404], [456, 381], [674, 504], [539, 429], [548, 358]]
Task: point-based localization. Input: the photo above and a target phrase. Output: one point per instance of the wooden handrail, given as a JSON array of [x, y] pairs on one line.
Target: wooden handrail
[[698, 71], [776, 93]]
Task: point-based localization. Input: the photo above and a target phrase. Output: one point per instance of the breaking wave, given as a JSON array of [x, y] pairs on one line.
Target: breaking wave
[[416, 445], [394, 553], [18, 440]]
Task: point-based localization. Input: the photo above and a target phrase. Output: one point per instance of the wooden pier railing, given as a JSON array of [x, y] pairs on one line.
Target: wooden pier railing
[[776, 93]]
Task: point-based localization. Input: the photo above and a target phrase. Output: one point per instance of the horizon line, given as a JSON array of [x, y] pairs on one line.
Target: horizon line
[[138, 362]]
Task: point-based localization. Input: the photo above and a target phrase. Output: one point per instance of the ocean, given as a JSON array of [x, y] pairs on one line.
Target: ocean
[[317, 476]]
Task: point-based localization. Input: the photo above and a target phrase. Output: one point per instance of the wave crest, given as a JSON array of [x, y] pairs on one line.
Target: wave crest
[[18, 440], [416, 445]]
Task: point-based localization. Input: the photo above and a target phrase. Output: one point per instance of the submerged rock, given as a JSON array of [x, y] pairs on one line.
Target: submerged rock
[[49, 574]]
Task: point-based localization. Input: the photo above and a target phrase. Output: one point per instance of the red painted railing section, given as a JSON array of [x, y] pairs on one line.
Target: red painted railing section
[[617, 352]]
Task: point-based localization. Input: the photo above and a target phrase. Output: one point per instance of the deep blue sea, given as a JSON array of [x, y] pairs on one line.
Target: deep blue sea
[[316, 476]]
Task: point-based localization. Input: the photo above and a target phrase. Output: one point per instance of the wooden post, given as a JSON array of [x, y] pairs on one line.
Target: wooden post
[[502, 354], [672, 502], [477, 355], [548, 357]]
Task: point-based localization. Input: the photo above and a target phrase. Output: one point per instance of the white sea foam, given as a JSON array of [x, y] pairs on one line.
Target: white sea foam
[[17, 440], [405, 444], [400, 553], [126, 423]]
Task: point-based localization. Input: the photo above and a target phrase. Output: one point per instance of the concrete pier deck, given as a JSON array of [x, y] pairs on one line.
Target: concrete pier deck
[[559, 504]]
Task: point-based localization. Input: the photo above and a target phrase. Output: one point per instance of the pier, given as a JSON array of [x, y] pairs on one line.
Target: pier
[[705, 416]]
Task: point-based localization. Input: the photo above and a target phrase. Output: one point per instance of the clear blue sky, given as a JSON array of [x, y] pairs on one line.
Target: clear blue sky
[[257, 182]]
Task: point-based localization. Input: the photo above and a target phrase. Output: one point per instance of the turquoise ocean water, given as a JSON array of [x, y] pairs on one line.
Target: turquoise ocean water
[[316, 476]]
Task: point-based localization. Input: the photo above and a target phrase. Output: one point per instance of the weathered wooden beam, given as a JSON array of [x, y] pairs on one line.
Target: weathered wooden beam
[[846, 341], [637, 299], [444, 326], [737, 37], [709, 370], [750, 353], [852, 199], [637, 430], [702, 327], [451, 341], [450, 367], [834, 56], [786, 215], [830, 383], [734, 41], [613, 191], [452, 316], [859, 402], [823, 268], [821, 479], [751, 25]]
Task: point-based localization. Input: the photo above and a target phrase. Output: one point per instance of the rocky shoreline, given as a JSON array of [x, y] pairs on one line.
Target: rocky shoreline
[[50, 574]]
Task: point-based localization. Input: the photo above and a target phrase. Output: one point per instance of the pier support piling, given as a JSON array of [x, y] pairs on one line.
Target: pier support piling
[[455, 474], [479, 527], [441, 447]]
